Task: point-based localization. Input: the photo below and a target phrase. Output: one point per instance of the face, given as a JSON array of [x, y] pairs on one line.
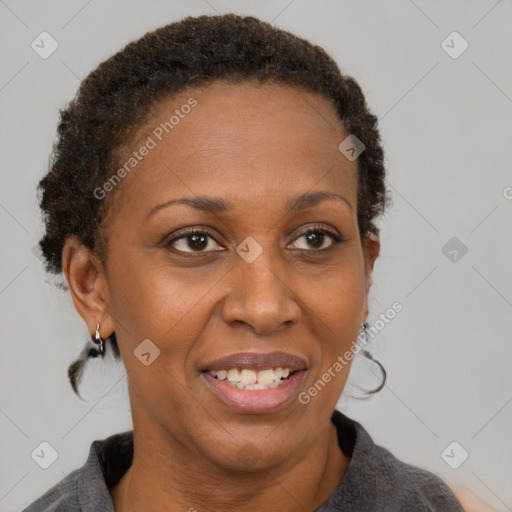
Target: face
[[233, 245]]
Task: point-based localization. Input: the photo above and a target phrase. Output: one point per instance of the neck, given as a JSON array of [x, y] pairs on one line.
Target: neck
[[161, 478]]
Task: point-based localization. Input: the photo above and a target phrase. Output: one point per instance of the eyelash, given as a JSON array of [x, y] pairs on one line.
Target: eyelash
[[205, 231]]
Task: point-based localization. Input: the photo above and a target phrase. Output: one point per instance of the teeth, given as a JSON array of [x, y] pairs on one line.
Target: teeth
[[233, 376], [251, 379], [248, 377], [253, 386], [266, 377], [278, 372]]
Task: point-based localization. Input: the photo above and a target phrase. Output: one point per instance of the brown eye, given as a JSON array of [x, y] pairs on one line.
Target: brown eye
[[197, 242], [193, 241], [316, 237]]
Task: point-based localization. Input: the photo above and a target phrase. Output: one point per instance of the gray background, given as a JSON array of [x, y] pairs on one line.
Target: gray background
[[447, 130]]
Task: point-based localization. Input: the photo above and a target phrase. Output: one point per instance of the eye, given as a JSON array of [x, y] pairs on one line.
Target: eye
[[201, 240], [316, 236], [194, 240]]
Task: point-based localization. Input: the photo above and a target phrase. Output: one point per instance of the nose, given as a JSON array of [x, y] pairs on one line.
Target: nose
[[261, 296]]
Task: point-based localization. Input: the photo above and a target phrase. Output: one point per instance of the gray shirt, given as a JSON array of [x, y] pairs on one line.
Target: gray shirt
[[375, 481]]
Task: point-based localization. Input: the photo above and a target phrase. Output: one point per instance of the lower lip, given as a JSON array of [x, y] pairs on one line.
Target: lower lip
[[254, 401]]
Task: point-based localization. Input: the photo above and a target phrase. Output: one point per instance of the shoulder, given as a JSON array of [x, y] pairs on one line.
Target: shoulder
[[61, 497], [87, 489], [409, 485], [377, 480]]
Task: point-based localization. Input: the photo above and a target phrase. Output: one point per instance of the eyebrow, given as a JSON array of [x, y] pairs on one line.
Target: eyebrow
[[218, 205]]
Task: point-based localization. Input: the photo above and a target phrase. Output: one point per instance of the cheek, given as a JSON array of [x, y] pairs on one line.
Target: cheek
[[149, 301], [339, 308], [164, 321], [339, 295]]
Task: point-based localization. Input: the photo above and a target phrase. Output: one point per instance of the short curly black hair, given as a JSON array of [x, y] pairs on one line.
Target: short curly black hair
[[116, 99]]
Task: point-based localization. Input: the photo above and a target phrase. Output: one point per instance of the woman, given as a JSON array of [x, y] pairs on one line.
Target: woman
[[211, 202]]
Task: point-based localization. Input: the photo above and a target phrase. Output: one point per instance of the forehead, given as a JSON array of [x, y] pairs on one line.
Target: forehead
[[240, 140]]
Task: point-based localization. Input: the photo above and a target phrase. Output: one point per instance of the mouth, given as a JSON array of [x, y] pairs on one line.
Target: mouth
[[253, 379], [255, 383]]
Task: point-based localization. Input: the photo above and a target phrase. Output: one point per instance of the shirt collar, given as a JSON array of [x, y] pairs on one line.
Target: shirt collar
[[110, 458]]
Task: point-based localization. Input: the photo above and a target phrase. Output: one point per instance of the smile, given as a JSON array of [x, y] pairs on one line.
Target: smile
[[255, 383], [251, 379]]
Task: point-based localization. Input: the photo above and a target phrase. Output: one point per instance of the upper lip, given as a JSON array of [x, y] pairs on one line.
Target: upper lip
[[256, 361]]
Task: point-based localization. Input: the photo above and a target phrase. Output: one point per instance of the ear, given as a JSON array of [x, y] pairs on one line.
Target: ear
[[87, 285], [371, 249]]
